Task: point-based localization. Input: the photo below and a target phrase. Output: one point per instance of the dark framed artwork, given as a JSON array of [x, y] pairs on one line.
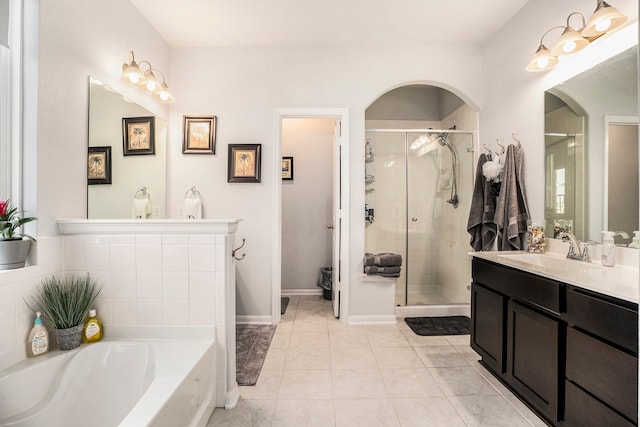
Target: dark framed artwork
[[99, 165], [287, 168], [139, 135], [199, 135], [244, 163]]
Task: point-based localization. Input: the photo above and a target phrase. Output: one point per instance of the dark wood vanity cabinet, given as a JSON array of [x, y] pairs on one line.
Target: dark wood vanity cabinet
[[569, 353]]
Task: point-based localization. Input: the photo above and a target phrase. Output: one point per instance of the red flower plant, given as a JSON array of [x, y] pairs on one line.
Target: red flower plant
[[11, 222]]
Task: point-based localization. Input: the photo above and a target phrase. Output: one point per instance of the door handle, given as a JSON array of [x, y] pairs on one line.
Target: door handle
[[414, 219], [330, 226]]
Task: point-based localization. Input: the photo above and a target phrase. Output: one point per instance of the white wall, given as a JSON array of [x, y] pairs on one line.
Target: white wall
[[243, 87], [307, 202]]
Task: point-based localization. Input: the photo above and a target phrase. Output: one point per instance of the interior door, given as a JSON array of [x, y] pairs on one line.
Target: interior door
[[337, 218]]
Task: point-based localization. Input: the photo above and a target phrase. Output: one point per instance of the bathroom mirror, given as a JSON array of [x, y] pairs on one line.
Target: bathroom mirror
[[591, 124], [129, 173]]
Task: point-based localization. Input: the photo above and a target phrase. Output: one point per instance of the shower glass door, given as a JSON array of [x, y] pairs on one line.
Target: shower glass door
[[412, 184]]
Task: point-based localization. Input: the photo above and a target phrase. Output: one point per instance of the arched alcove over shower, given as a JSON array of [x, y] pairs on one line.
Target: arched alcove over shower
[[419, 161]]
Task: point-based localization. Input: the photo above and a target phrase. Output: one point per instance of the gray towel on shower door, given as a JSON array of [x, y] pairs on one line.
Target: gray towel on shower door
[[512, 212], [481, 225]]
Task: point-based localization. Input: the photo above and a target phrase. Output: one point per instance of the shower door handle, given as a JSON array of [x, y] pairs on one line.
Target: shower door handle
[[414, 219], [330, 226]]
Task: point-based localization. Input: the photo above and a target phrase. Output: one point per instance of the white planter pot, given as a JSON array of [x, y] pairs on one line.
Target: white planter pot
[[13, 253]]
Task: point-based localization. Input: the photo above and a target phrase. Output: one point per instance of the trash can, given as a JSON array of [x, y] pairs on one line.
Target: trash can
[[325, 282]]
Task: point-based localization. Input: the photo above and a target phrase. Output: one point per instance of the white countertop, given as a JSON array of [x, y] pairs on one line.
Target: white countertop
[[620, 281]]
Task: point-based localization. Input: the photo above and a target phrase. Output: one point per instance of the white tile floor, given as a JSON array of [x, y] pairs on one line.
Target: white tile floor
[[319, 372]]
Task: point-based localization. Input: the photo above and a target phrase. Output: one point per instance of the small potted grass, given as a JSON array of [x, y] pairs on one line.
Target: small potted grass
[[65, 302]]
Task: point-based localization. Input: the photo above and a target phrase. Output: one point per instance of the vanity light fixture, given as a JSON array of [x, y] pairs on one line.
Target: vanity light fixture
[[605, 18], [147, 79]]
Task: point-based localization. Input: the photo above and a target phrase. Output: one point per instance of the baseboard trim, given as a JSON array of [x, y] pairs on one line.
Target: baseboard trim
[[253, 320], [300, 292], [384, 319], [434, 310]]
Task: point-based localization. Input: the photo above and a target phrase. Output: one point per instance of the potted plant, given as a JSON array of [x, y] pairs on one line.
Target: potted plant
[[65, 302], [14, 245]]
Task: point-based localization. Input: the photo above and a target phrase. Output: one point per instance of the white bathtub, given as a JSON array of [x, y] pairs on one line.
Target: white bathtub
[[147, 382]]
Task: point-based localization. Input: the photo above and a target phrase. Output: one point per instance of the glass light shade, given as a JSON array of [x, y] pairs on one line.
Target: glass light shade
[[150, 83], [569, 42], [163, 93], [132, 73], [605, 18], [542, 60]]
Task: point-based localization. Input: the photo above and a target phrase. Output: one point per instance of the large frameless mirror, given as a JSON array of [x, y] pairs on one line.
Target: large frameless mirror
[[591, 151], [126, 157]]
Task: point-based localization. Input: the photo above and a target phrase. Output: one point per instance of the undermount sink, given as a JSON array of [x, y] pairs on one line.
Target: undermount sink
[[549, 261]]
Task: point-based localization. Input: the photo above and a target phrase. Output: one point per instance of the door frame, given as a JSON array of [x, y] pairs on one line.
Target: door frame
[[341, 114]]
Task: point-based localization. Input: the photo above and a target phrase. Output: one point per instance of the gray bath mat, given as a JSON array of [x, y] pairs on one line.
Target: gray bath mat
[[252, 343], [284, 302], [433, 326]]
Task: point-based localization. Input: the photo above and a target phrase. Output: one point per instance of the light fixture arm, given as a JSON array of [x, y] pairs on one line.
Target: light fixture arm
[[547, 32], [584, 21]]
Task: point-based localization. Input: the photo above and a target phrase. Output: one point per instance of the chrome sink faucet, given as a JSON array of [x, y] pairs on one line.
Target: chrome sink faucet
[[576, 250]]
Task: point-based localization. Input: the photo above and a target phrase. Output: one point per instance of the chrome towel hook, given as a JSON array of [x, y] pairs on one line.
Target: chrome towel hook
[[233, 252]]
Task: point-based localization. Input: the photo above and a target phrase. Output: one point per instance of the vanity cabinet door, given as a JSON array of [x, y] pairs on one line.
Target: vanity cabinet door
[[488, 310], [532, 358]]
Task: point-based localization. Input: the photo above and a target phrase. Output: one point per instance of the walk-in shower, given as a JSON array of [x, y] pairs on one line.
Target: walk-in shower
[[419, 184]]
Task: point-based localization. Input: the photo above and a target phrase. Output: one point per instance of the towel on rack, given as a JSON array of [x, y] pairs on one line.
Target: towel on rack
[[141, 208], [193, 208], [512, 212], [481, 225], [384, 259], [374, 269]]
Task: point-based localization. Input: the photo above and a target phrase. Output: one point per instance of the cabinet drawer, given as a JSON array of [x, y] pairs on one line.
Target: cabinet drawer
[[610, 321], [607, 373], [519, 285], [582, 410]]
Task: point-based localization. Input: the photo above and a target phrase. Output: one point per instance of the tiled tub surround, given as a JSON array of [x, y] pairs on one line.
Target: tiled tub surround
[[16, 286], [162, 273]]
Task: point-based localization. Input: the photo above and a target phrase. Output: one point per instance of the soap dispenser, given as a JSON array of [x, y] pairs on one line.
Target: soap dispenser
[[635, 242], [608, 257], [38, 338]]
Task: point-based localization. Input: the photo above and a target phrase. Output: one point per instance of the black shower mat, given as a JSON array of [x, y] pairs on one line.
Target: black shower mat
[[434, 326]]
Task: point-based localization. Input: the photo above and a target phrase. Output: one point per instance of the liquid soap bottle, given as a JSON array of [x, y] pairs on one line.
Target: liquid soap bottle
[[635, 242], [38, 338], [92, 330]]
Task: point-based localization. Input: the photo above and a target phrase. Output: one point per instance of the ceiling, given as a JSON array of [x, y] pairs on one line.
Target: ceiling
[[327, 22]]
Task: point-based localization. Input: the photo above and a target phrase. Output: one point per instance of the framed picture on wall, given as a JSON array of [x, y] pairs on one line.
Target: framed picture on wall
[[287, 168], [99, 165], [199, 135], [138, 135], [244, 163]]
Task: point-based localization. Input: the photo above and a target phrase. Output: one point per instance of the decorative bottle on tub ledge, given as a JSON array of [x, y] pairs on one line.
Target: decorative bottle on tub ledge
[[92, 330]]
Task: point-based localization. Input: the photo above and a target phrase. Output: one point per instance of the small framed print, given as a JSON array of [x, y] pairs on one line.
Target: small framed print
[[138, 135], [99, 165], [244, 163], [199, 135], [287, 168]]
